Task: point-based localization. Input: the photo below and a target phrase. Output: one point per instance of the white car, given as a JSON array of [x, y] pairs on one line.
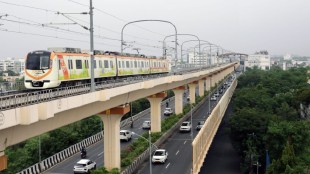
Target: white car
[[146, 125], [185, 126], [216, 94], [160, 156], [213, 98], [125, 135], [168, 111], [84, 166]]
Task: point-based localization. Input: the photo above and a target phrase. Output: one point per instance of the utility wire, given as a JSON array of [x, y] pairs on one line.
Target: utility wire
[[37, 24], [19, 5], [54, 37], [115, 17], [53, 11]]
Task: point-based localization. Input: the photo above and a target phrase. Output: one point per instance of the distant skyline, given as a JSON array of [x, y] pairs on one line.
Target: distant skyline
[[244, 26]]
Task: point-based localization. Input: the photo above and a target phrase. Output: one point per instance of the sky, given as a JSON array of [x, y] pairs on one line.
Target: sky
[[244, 26]]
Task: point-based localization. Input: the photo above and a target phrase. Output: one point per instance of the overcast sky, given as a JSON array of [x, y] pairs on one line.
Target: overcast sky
[[246, 26]]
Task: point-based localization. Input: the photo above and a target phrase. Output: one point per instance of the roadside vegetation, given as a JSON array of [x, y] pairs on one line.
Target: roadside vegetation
[[267, 120]]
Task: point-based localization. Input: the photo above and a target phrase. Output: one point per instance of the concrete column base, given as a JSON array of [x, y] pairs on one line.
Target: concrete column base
[[178, 94], [192, 91], [155, 101], [112, 152]]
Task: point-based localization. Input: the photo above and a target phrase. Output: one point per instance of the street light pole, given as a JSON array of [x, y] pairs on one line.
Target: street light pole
[[151, 20], [91, 30], [150, 152], [210, 94], [150, 142]]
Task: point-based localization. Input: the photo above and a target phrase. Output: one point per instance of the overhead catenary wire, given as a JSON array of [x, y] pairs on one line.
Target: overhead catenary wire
[[54, 37], [62, 30], [55, 12]]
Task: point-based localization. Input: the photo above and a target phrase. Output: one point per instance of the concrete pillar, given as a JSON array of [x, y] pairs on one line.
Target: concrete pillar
[[155, 101], [213, 79], [208, 83], [3, 160], [192, 90], [111, 120], [201, 87], [178, 99]]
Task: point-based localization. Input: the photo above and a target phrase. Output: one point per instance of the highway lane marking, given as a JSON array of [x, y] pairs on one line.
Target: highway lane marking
[[177, 152], [185, 141], [100, 153], [167, 166]]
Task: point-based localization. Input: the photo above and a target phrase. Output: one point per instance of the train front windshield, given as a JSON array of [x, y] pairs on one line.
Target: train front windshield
[[39, 60]]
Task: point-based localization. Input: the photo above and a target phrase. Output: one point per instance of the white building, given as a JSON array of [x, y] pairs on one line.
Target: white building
[[193, 57], [260, 59], [17, 66], [287, 57]]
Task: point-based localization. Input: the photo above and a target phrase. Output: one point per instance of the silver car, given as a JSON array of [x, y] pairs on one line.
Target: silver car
[[84, 166]]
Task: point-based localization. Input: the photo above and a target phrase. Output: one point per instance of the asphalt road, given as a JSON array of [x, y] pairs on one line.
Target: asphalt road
[[179, 147], [95, 151]]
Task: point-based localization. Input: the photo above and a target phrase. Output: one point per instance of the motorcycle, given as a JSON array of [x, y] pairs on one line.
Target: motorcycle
[[83, 154]]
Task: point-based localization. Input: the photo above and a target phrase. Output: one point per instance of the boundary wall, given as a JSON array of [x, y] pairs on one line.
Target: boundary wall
[[203, 140]]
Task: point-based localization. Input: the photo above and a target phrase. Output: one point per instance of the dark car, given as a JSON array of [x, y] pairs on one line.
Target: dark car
[[199, 125]]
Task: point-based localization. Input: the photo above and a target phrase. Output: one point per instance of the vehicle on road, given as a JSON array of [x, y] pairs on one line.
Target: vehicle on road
[[216, 94], [160, 156], [213, 98], [125, 135], [185, 126], [83, 152], [168, 111], [146, 125], [84, 166], [221, 91], [199, 125]]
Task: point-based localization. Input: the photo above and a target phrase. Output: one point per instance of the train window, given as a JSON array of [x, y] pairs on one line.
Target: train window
[[142, 64], [119, 64], [111, 63], [139, 64], [123, 64], [95, 64], [106, 64], [147, 64], [100, 64], [127, 64], [78, 64], [135, 64], [131, 65]]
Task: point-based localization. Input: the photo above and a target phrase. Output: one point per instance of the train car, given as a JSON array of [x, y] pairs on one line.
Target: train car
[[70, 66]]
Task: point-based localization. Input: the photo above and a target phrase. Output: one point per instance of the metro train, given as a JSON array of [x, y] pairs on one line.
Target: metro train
[[57, 67]]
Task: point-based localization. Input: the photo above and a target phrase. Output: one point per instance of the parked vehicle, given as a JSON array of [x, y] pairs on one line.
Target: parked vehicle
[[125, 135], [84, 166], [213, 98], [199, 125], [185, 126], [146, 125], [160, 156], [168, 111], [216, 94]]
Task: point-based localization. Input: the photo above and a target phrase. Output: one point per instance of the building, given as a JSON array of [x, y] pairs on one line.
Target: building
[[11, 64], [193, 57], [260, 59]]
